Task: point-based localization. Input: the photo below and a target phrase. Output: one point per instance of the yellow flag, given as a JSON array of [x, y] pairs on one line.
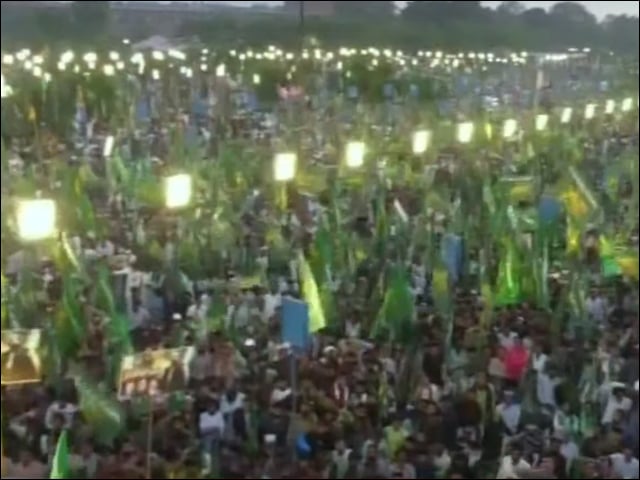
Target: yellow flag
[[311, 296], [629, 265]]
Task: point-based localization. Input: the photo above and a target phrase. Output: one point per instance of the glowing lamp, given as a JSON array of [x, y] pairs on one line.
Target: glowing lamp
[[177, 190], [465, 132], [284, 167], [420, 141], [36, 219], [355, 154]]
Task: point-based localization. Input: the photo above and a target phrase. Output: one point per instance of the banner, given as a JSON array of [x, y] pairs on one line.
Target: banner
[[295, 323], [155, 372], [20, 357]]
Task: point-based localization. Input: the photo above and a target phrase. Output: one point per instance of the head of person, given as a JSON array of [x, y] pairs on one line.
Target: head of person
[[627, 453], [213, 406], [26, 457], [142, 385], [515, 453], [154, 386], [57, 422], [618, 393], [86, 449], [481, 380]]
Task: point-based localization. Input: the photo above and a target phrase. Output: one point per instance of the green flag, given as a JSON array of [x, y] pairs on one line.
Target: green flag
[[509, 288], [118, 333], [311, 295], [396, 314], [69, 326], [100, 410], [60, 467]]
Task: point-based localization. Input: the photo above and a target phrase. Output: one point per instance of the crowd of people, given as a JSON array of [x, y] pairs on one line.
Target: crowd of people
[[511, 401], [511, 391]]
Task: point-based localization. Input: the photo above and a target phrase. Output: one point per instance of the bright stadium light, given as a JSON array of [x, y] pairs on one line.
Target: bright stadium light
[[465, 132], [90, 57], [177, 190], [609, 107], [355, 154], [109, 143], [221, 70], [109, 70], [509, 128], [67, 57], [421, 141], [590, 111], [542, 121], [627, 104], [284, 167], [6, 89], [36, 219], [567, 113]]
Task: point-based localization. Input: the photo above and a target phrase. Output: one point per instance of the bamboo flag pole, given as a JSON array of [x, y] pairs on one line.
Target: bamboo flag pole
[[149, 437]]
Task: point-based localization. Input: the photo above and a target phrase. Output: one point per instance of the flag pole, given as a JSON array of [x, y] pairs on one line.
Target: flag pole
[[149, 436]]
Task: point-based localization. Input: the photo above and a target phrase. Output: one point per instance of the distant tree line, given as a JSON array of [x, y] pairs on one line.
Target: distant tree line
[[447, 25]]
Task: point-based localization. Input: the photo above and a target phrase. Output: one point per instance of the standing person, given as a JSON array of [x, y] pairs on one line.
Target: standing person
[[512, 466], [617, 401], [27, 466], [624, 465], [211, 428], [516, 360]]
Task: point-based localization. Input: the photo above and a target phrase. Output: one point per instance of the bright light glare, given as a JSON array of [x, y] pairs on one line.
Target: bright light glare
[[107, 150], [6, 89], [36, 219], [109, 70], [90, 57], [420, 142], [610, 107], [465, 132], [509, 128], [67, 57], [177, 190], [590, 111], [567, 113], [355, 154], [284, 167], [542, 121], [627, 104]]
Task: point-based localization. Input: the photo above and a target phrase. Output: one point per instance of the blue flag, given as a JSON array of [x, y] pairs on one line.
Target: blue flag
[[295, 323], [452, 256]]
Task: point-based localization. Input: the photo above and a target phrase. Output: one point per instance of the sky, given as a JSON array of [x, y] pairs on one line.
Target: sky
[[600, 9]]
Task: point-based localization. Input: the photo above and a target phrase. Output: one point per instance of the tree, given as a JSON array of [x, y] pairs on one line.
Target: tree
[[91, 18], [572, 12], [447, 12], [535, 17], [621, 33], [369, 9], [511, 8]]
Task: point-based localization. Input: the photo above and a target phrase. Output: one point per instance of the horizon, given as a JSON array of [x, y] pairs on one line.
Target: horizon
[[599, 8]]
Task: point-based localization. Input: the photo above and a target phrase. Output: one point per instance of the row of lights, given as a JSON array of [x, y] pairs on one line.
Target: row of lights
[[25, 56], [285, 163], [37, 218]]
